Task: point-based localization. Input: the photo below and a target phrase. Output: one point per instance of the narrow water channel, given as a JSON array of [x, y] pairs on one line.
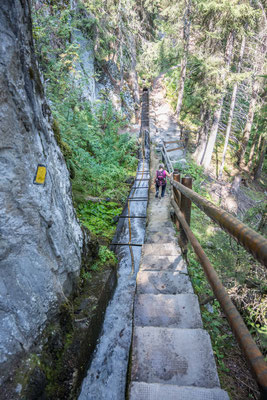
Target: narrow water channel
[[107, 374], [106, 377]]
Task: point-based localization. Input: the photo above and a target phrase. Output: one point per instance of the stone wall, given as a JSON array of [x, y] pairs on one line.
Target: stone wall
[[40, 238]]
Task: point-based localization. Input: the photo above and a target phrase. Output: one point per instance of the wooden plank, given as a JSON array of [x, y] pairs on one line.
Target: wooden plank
[[172, 141], [176, 148]]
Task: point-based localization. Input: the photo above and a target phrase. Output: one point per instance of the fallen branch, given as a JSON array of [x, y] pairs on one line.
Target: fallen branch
[[94, 199]]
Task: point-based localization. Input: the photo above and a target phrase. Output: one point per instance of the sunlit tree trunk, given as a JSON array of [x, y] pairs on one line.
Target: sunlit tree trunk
[[186, 38], [120, 45], [217, 114], [232, 107], [203, 137], [199, 131]]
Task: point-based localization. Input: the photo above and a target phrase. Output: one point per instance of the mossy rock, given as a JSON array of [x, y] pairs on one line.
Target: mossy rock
[[65, 317], [36, 384]]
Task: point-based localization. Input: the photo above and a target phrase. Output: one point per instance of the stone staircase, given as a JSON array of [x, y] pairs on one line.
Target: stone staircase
[[172, 357]]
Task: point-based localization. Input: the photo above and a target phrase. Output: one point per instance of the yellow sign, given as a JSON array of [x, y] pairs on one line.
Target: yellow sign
[[40, 175]]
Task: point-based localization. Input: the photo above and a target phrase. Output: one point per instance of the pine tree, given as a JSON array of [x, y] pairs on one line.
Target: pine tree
[[259, 65], [218, 110]]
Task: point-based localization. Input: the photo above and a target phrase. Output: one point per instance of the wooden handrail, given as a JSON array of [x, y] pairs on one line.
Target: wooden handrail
[[247, 344], [167, 159], [247, 237]]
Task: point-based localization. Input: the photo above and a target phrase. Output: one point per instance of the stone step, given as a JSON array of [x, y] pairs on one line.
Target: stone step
[[179, 311], [163, 282], [162, 217], [156, 391], [163, 263], [159, 235], [161, 249], [154, 225], [182, 357]]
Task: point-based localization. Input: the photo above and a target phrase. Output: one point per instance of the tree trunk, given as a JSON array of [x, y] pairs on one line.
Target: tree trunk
[[121, 65], [259, 166], [186, 38], [217, 114], [133, 73], [248, 126], [236, 184], [232, 107], [206, 159], [181, 86], [256, 140], [202, 118], [259, 67], [121, 46], [203, 137]]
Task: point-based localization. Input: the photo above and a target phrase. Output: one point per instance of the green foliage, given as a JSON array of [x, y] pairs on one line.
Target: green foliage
[[87, 26], [221, 341], [259, 128], [86, 275], [194, 171], [156, 56], [253, 215], [99, 217], [212, 321], [203, 86], [235, 268], [106, 258], [229, 15], [98, 158]]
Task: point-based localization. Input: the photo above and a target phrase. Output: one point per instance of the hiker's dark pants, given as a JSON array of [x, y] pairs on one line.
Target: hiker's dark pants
[[163, 187]]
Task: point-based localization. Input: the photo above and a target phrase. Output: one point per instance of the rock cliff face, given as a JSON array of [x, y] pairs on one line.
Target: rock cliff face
[[121, 98], [85, 66], [41, 240]]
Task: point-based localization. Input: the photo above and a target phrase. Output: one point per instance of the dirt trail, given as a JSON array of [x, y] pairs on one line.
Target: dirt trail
[[163, 123]]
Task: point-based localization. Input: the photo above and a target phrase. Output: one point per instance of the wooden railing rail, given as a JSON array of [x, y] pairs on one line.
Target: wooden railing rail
[[251, 240]]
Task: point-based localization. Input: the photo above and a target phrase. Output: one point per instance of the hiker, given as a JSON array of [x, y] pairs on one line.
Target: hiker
[[160, 180]]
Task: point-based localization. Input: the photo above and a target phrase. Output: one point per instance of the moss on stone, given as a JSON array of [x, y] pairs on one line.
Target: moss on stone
[[64, 147], [56, 369], [66, 317], [31, 73], [56, 130]]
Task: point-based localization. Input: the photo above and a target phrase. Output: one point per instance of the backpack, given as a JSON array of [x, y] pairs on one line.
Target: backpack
[[161, 178]]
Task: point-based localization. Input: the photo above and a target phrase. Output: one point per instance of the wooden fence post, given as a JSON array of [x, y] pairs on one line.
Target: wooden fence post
[[186, 210], [177, 195]]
